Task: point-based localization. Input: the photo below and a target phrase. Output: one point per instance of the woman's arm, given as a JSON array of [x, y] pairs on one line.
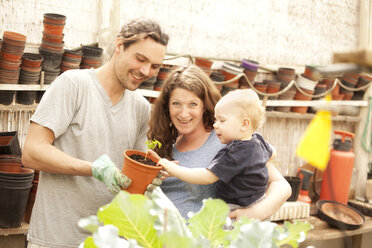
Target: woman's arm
[[277, 193]]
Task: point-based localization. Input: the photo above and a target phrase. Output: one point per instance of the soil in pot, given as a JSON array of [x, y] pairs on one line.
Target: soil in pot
[[142, 159]]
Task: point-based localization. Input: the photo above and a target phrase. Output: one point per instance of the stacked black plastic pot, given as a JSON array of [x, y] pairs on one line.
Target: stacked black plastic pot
[[52, 45], [15, 182], [92, 57]]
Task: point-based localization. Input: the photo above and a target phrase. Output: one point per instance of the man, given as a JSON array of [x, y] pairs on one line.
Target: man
[[84, 114]]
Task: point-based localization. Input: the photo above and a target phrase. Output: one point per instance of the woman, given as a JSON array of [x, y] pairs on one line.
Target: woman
[[182, 120]]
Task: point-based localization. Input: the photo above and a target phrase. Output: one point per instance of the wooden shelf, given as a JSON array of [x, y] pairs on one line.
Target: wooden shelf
[[155, 94], [323, 231], [23, 229], [24, 87]]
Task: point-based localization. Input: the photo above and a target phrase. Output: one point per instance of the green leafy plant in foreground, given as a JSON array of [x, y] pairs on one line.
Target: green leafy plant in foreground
[[133, 220], [151, 144]]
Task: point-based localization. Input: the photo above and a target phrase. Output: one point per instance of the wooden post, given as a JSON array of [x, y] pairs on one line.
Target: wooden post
[[361, 156]]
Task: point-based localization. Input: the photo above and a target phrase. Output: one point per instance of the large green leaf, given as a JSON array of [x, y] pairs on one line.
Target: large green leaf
[[130, 214], [208, 223], [168, 216], [256, 234], [295, 233]]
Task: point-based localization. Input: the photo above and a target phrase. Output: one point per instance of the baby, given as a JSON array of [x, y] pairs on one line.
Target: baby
[[239, 169]]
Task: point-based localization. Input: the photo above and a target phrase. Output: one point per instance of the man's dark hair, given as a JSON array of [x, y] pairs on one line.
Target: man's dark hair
[[136, 30]]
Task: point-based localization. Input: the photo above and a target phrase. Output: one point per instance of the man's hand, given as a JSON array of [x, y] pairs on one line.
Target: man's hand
[[155, 183], [104, 170]]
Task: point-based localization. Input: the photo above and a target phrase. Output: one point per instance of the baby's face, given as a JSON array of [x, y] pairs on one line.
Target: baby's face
[[228, 122]]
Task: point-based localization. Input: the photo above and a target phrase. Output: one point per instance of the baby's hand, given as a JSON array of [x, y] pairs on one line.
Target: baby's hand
[[167, 165]]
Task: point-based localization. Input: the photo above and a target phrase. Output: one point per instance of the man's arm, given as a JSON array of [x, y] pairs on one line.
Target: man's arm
[[38, 153], [189, 175]]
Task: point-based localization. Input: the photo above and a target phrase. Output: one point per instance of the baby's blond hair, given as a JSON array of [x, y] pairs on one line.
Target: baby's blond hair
[[249, 103]]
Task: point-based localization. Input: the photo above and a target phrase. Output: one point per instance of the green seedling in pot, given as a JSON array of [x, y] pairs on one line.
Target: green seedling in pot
[[151, 144]]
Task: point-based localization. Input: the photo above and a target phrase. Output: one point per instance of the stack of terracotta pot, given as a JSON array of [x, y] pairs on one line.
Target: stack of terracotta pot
[[30, 74], [161, 77], [362, 81], [250, 68], [52, 45], [230, 71], [10, 60], [273, 86], [349, 80], [217, 77], [92, 57], [71, 60], [204, 64], [285, 76]]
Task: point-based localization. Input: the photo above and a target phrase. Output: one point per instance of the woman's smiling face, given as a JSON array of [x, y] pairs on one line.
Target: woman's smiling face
[[186, 111]]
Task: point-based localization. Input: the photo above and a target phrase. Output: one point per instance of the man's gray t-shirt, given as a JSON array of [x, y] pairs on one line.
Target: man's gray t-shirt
[[185, 196], [86, 125]]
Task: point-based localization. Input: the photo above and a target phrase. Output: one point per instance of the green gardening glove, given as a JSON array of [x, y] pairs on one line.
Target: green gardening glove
[[104, 170]]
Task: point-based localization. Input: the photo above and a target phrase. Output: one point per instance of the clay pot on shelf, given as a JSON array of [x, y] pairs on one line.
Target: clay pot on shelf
[[92, 51], [141, 174], [312, 73], [231, 71], [300, 96], [13, 37], [273, 86], [363, 80], [203, 62], [261, 87], [217, 76], [319, 89], [288, 95], [54, 18], [285, 75], [32, 59], [306, 83], [74, 55], [163, 73], [9, 65], [250, 69], [58, 39], [148, 84], [55, 29]]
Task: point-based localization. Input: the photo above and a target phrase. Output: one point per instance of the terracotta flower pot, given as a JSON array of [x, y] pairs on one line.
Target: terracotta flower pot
[[53, 28], [53, 38], [202, 62], [285, 75], [14, 37], [54, 18], [32, 59], [141, 174], [217, 76], [231, 71], [312, 73], [300, 96]]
